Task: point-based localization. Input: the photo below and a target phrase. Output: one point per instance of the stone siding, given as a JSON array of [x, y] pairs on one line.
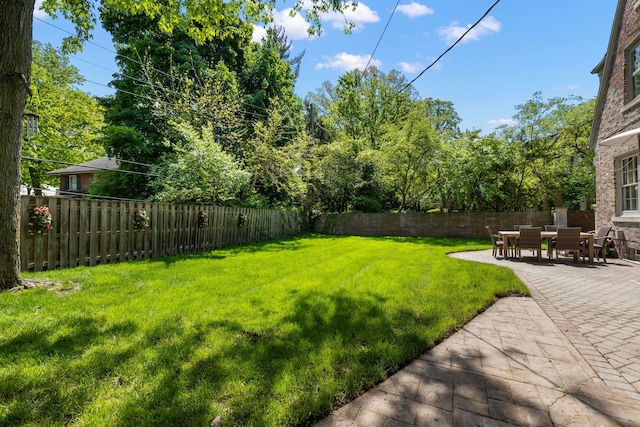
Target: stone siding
[[464, 224]]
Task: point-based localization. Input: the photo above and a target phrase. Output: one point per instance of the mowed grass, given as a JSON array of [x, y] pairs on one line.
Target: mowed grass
[[270, 334]]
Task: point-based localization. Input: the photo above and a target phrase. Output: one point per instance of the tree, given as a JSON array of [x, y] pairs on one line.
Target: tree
[[365, 101], [408, 152], [199, 172], [549, 136], [200, 19], [71, 121], [274, 159]]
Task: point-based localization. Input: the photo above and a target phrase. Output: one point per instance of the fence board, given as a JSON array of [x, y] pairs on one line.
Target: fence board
[[103, 251], [74, 231], [38, 242], [53, 238], [93, 232], [64, 233], [113, 234], [82, 229]]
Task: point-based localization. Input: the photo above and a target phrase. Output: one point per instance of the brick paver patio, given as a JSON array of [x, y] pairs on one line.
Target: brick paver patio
[[568, 356]]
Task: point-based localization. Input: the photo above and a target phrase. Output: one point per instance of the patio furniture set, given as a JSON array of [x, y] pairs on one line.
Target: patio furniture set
[[566, 241]]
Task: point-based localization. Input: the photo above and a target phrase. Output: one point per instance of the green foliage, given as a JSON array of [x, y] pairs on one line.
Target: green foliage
[[272, 334], [125, 143], [70, 121], [199, 172], [364, 102], [366, 204], [334, 175], [410, 154], [201, 20], [548, 136], [274, 157]]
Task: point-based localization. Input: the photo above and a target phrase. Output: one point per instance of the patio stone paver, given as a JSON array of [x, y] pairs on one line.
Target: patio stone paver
[[568, 356]]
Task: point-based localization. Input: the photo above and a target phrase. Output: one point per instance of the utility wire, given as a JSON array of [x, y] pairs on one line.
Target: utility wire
[[450, 47], [133, 60], [381, 35], [37, 159], [83, 195], [51, 147], [100, 46]]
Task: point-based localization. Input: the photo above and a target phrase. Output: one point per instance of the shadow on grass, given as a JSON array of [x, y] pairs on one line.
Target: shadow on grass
[[53, 364], [177, 372]]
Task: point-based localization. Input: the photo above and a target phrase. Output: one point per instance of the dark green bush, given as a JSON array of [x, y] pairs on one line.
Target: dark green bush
[[366, 204]]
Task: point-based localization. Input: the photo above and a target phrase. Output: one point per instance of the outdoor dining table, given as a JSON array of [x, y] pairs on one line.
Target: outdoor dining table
[[549, 235]]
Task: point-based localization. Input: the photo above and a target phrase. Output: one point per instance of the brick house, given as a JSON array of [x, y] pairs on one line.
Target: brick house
[[615, 134], [76, 179]]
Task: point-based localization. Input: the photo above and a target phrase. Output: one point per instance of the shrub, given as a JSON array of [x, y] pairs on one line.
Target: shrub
[[366, 204]]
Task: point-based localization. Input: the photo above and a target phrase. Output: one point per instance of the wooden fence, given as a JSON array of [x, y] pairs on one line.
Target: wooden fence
[[91, 232]]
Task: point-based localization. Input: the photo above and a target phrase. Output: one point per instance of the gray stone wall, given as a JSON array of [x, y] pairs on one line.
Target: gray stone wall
[[464, 224]]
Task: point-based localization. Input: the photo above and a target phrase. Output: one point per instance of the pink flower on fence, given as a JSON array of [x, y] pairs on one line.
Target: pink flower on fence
[[39, 220], [140, 220], [203, 219]]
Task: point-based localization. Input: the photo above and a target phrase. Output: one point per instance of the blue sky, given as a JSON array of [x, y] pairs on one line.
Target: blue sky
[[521, 47]]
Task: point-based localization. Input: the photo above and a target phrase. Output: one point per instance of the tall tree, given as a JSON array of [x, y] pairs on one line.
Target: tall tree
[[548, 135], [365, 101], [408, 152], [70, 121], [200, 18]]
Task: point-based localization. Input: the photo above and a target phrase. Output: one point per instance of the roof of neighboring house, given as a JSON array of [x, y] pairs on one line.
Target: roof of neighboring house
[[604, 69], [101, 164]]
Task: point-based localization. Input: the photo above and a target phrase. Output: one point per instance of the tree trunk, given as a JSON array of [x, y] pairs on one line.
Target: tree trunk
[[16, 23]]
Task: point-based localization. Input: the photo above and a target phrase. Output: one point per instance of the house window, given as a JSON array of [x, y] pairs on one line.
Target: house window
[[629, 184], [74, 183], [634, 70]]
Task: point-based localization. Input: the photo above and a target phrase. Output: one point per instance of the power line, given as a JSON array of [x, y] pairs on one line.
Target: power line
[[137, 62], [450, 47], [381, 35], [100, 46], [87, 195], [51, 147], [37, 159]]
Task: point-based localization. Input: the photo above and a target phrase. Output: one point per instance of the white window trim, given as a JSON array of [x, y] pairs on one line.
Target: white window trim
[[630, 71], [74, 187], [624, 214]]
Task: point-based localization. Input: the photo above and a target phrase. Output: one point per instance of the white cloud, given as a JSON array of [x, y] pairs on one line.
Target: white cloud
[[411, 67], [258, 33], [295, 26], [37, 13], [500, 122], [453, 32], [566, 88], [347, 62], [360, 16], [414, 10]]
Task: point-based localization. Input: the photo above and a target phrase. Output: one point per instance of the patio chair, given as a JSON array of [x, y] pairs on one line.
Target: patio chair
[[600, 241], [620, 243], [518, 227], [496, 241], [529, 239], [551, 227], [568, 241]]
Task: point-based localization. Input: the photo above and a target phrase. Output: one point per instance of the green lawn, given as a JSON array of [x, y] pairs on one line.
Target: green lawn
[[269, 334]]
